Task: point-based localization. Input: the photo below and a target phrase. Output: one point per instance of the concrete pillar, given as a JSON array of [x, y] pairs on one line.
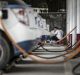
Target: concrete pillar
[[78, 16], [72, 18]]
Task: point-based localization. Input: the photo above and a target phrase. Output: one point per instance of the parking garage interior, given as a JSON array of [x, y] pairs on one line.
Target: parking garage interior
[[63, 14]]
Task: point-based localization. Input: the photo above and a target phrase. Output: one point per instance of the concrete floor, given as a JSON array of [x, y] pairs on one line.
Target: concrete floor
[[41, 69]]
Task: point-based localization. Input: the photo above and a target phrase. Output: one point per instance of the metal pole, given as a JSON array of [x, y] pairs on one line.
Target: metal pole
[[72, 18], [78, 17]]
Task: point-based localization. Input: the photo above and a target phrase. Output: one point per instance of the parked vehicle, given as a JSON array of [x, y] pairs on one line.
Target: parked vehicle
[[25, 32]]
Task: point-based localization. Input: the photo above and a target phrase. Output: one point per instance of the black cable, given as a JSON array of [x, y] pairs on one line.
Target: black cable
[[74, 69], [59, 55], [36, 48], [41, 45], [47, 50], [54, 51], [56, 56], [59, 51]]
